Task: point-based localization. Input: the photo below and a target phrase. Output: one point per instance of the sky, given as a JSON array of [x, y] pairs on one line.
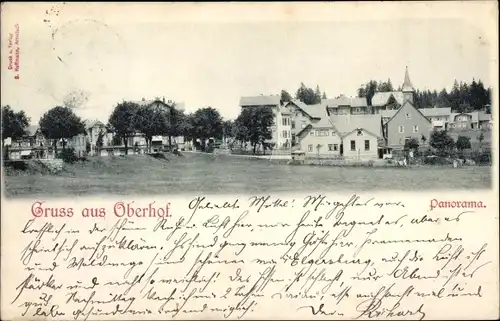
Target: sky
[[212, 54]]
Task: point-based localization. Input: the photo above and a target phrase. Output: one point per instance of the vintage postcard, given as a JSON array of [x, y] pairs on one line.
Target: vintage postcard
[[249, 161]]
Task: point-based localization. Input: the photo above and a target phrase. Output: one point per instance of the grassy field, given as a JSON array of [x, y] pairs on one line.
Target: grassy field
[[213, 174]]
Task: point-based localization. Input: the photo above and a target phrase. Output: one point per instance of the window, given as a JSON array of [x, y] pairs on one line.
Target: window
[[284, 134], [312, 133], [293, 124], [310, 148], [360, 132], [367, 144], [335, 147], [353, 145], [330, 147], [401, 129], [415, 128], [408, 116]]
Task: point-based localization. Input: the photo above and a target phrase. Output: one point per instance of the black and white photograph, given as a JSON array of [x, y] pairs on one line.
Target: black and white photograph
[[249, 160], [93, 107]]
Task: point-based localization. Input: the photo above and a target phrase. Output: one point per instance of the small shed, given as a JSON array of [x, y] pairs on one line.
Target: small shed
[[298, 155]]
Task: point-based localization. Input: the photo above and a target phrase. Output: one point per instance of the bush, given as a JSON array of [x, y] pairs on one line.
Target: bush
[[437, 160], [428, 152], [483, 158], [68, 155]]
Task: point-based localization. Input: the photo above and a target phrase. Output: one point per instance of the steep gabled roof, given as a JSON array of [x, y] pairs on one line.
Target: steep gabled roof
[[407, 86], [300, 105], [382, 98], [362, 129], [317, 111], [273, 100], [413, 106], [323, 123]]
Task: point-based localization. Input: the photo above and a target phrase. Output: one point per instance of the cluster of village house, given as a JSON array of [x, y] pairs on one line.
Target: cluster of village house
[[349, 128], [36, 145], [340, 127]]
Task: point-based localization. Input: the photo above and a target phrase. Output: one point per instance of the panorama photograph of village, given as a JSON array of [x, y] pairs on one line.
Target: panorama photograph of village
[[397, 129]]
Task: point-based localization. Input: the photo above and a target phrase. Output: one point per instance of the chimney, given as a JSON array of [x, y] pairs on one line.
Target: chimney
[[143, 99], [163, 99]]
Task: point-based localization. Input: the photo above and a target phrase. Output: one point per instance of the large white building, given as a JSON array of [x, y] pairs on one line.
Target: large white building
[[282, 128]]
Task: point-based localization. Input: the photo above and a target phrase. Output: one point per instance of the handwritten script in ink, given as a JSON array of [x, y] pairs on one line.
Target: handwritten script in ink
[[313, 257]]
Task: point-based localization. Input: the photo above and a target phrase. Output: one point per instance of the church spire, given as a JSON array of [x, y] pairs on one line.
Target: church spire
[[407, 88]]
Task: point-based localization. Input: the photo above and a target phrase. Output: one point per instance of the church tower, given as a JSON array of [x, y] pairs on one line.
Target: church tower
[[407, 90]]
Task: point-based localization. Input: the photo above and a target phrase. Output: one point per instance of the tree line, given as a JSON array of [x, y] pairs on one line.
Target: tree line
[[126, 120], [129, 119], [443, 143], [462, 98], [305, 94]]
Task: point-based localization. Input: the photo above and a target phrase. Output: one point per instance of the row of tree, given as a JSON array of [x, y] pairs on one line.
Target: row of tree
[[126, 120], [463, 97], [443, 143]]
